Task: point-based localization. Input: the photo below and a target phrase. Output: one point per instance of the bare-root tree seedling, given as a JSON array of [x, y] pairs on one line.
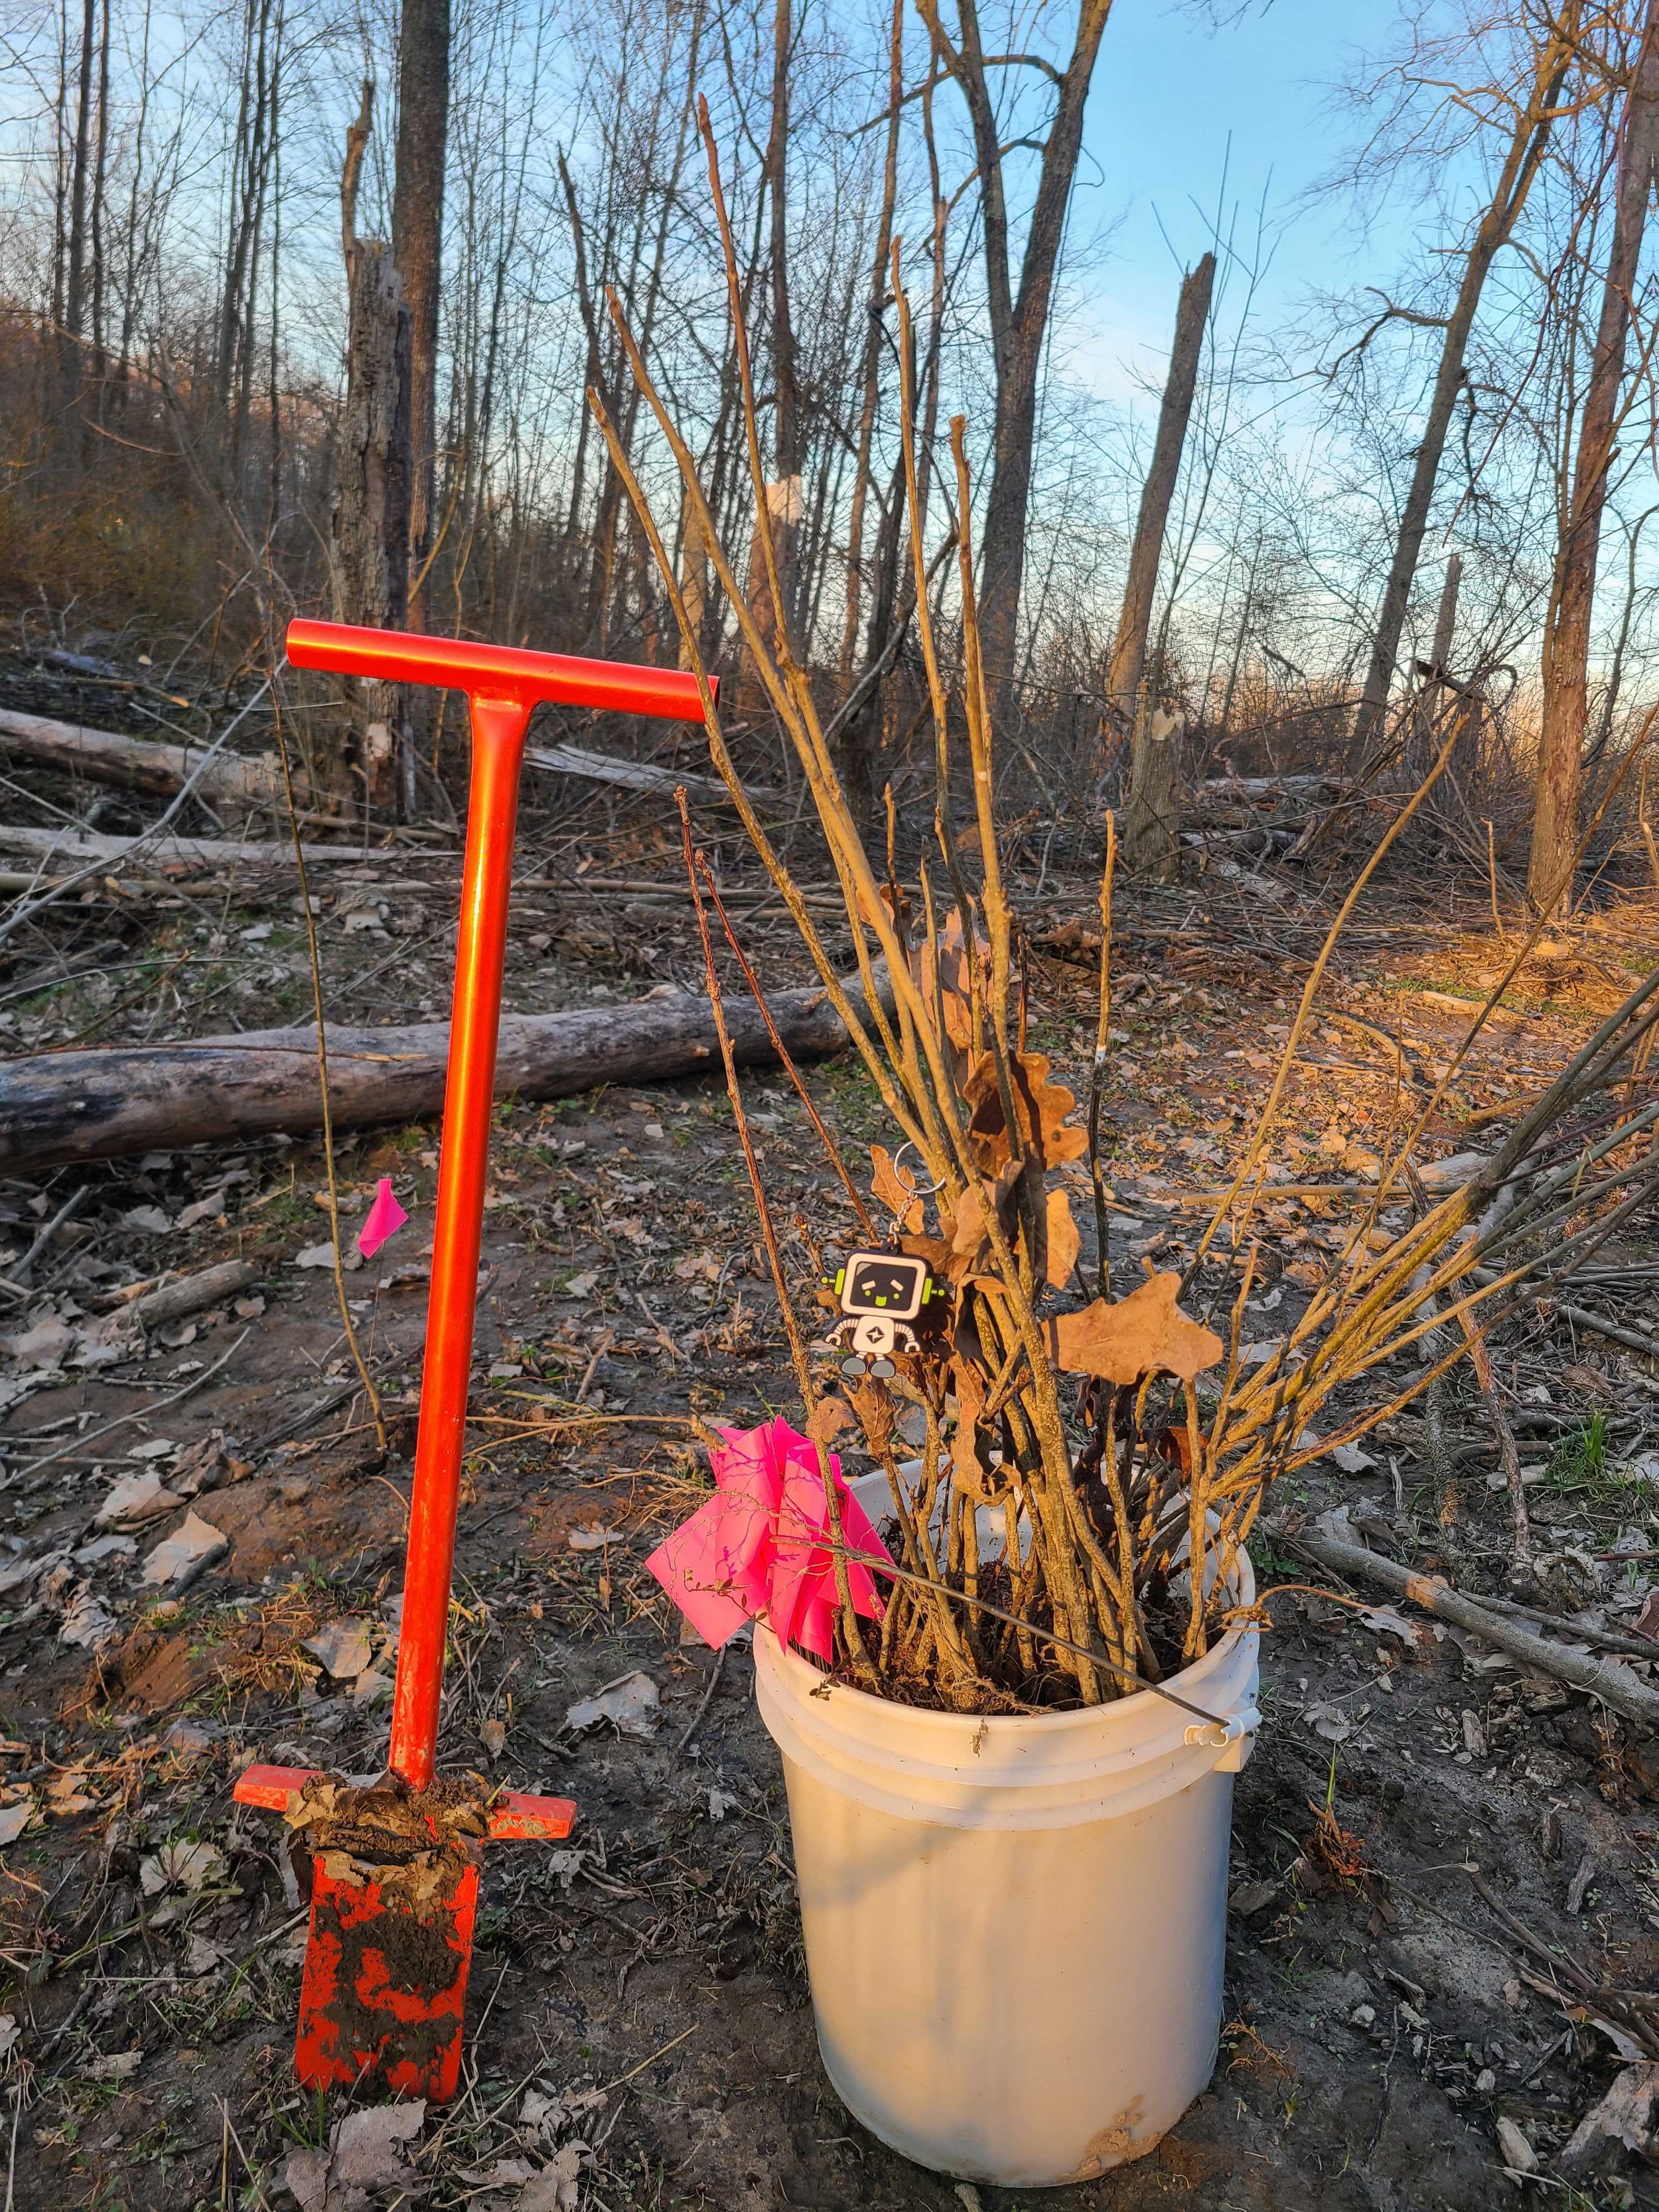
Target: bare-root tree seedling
[[1055, 1468]]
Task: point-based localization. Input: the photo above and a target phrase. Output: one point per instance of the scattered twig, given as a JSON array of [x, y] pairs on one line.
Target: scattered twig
[[76, 1448], [703, 1704], [66, 1213], [63, 885]]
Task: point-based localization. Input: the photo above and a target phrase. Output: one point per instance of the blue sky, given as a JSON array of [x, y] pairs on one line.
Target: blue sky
[[1176, 106]]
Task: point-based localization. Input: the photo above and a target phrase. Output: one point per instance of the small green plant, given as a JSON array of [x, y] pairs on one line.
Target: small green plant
[[1582, 1466], [1580, 1461]]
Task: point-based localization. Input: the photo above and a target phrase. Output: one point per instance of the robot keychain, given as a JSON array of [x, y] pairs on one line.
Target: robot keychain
[[888, 1300]]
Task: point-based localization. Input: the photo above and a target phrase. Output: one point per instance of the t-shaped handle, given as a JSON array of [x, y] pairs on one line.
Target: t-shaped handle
[[499, 672], [503, 685]]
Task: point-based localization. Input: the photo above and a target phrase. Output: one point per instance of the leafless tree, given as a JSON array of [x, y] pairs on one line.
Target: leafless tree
[[1529, 118], [1019, 315], [1567, 623]]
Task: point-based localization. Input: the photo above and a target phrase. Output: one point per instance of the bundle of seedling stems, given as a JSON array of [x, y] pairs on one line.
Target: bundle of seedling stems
[[1077, 1452]]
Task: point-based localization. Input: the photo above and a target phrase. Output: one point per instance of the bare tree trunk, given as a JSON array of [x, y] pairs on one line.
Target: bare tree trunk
[[1420, 747], [872, 346], [893, 597], [1445, 620], [1151, 828], [1134, 623], [372, 497], [75, 290], [1566, 628], [99, 177], [785, 503], [417, 223], [1527, 140], [1019, 322]]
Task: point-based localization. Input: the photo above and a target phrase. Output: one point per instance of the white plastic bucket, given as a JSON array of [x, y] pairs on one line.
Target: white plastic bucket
[[1015, 1927]]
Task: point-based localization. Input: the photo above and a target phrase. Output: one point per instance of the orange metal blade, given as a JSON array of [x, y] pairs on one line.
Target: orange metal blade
[[276, 1788], [385, 1989], [515, 1818]]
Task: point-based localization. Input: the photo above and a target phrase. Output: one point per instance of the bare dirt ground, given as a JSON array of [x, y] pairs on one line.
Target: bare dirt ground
[[1401, 1977]]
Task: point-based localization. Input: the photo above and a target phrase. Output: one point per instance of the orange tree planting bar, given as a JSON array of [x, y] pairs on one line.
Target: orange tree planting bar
[[385, 1987], [503, 685]]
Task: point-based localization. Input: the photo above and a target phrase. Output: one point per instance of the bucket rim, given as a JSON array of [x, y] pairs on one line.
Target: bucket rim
[[1125, 1713]]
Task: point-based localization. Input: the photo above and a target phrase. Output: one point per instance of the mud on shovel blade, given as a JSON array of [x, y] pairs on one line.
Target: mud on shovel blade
[[395, 1863]]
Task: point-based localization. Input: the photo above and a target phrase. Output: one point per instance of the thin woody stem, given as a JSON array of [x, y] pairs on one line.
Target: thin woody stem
[[314, 961], [832, 1150], [1097, 1068], [849, 1619]]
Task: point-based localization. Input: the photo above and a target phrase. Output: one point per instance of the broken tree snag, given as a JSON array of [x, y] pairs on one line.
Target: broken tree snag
[[1151, 843], [230, 783], [372, 493], [103, 1105], [1152, 830]]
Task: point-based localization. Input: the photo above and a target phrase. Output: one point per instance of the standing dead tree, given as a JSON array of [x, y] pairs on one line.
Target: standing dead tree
[[1150, 841], [1435, 675], [417, 217], [1572, 591], [372, 494], [1532, 119], [417, 223]]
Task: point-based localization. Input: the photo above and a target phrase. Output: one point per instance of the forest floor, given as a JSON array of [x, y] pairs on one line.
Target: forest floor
[[641, 2032]]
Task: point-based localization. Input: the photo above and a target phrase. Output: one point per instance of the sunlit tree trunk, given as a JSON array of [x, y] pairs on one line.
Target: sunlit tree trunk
[[1572, 595]]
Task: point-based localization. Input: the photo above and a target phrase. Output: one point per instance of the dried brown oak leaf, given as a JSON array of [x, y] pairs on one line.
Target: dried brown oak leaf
[[827, 1417], [1145, 1334], [971, 1465], [1061, 1258], [935, 1250], [942, 973], [970, 1239], [895, 1188], [1040, 1109]]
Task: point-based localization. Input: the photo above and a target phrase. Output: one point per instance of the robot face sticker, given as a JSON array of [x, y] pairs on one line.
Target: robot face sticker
[[884, 1282]]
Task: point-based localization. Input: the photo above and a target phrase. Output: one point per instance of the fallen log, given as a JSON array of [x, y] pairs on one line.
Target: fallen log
[[632, 775], [1270, 787], [138, 1098], [191, 1294], [236, 780], [141, 763], [1606, 1679], [78, 847]]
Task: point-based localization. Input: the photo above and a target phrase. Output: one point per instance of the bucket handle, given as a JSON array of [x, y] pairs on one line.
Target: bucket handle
[[1234, 1737]]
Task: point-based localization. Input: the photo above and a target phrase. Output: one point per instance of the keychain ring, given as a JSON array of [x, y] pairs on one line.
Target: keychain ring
[[918, 1189]]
